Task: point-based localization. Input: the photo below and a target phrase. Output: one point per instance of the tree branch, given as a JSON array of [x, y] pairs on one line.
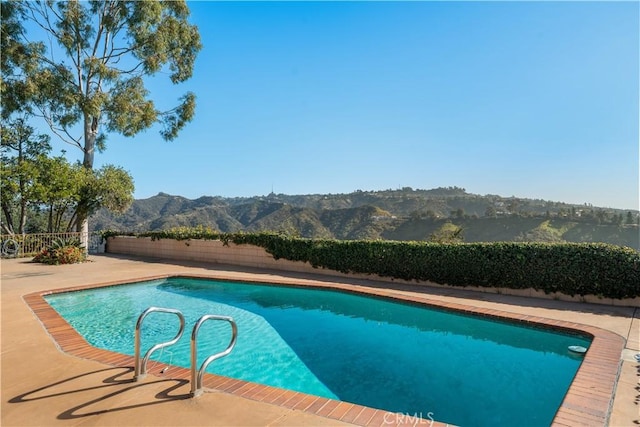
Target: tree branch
[[59, 131]]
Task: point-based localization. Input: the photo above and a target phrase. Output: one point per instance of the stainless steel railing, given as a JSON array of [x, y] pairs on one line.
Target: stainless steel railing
[[140, 369], [196, 376]]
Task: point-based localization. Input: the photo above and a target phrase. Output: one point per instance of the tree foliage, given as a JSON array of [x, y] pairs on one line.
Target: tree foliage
[[67, 185], [61, 191], [91, 82], [106, 48], [18, 61], [33, 182], [21, 153], [110, 187]]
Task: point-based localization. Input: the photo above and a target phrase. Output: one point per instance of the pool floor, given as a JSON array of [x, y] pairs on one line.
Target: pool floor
[[585, 403]]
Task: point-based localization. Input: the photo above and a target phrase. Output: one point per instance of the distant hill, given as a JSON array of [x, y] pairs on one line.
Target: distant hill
[[403, 214]]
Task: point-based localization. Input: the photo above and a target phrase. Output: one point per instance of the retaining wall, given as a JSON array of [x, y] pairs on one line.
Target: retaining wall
[[215, 252], [211, 251]]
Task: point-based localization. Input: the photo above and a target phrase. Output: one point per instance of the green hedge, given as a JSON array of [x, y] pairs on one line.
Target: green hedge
[[570, 268]]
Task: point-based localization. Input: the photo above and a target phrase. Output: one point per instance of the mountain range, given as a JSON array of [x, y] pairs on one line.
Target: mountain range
[[401, 214]]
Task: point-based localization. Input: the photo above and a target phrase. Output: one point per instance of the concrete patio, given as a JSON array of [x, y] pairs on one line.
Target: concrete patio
[[41, 385]]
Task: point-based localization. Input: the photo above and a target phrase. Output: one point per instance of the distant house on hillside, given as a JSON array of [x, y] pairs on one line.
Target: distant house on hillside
[[382, 217]]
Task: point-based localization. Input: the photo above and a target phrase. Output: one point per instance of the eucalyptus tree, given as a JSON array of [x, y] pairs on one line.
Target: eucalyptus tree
[[91, 80]]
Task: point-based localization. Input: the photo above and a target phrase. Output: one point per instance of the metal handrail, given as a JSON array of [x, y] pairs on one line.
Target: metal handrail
[[141, 365], [196, 378]]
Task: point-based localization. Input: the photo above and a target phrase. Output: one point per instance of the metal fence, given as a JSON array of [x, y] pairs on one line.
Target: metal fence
[[27, 245]]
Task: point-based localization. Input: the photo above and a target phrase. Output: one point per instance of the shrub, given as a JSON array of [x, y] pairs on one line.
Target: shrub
[[62, 251], [63, 242]]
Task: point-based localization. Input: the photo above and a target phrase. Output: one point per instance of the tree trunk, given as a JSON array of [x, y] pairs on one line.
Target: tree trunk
[[84, 237], [21, 183], [6, 229], [23, 215], [8, 225], [80, 219], [82, 226], [90, 135], [50, 221]]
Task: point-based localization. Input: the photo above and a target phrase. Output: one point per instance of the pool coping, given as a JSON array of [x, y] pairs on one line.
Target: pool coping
[[588, 400]]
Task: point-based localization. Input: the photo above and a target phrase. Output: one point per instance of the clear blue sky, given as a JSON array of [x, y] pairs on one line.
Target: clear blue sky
[[530, 99]]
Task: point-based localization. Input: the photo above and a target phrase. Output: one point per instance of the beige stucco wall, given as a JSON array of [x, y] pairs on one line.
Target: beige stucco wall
[[214, 251], [211, 251]]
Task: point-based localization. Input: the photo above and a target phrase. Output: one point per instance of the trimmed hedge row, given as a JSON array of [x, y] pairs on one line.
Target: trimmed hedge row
[[598, 269]]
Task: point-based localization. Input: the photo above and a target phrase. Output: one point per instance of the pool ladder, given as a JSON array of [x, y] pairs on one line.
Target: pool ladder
[[140, 369]]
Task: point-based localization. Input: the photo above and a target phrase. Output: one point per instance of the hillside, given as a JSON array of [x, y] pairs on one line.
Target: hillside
[[404, 214]]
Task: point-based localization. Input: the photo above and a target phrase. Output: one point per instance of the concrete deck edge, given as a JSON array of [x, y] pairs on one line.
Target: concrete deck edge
[[587, 402]]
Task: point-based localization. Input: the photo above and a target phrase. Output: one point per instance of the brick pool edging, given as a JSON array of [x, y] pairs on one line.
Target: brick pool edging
[[588, 400]]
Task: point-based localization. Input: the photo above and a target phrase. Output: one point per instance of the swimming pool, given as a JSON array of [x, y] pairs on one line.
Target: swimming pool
[[398, 357]]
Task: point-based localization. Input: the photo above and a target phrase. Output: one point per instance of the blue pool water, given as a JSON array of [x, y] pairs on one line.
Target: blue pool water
[[463, 370]]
